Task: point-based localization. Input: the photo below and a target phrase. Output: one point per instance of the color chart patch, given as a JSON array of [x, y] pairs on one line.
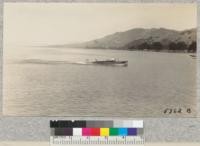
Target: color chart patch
[[127, 132]]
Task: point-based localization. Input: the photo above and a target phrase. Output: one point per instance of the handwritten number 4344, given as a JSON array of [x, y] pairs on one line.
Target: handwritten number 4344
[[177, 111]]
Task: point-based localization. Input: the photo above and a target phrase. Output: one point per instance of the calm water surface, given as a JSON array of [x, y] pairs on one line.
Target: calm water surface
[[150, 83]]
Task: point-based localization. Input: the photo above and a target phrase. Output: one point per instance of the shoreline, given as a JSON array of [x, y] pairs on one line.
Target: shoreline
[[145, 50]]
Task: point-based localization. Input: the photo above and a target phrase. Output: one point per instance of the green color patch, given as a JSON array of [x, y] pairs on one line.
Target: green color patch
[[113, 131]]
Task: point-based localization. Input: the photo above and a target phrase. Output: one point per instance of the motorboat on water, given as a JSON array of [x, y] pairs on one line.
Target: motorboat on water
[[111, 61], [192, 55]]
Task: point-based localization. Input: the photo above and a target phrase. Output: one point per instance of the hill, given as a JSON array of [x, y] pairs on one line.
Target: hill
[[139, 38]]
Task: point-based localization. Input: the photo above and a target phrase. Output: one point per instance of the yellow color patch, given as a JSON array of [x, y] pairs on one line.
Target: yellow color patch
[[104, 131]]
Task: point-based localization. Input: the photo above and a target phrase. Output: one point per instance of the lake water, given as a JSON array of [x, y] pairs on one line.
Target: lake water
[[150, 83]]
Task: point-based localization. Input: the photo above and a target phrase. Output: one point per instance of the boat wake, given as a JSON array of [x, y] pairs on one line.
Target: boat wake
[[87, 62], [51, 62]]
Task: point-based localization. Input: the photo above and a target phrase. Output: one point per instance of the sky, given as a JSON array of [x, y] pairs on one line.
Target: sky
[[63, 23]]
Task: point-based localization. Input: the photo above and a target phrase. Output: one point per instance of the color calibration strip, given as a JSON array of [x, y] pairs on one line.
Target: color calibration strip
[[97, 132]]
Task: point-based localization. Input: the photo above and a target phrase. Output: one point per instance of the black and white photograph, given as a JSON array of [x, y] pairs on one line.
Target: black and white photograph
[[100, 59]]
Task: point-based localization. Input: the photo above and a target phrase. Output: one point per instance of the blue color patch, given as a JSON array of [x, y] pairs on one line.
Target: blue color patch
[[123, 132]]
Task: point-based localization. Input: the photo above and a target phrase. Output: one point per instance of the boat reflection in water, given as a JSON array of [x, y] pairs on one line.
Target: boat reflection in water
[[112, 62]]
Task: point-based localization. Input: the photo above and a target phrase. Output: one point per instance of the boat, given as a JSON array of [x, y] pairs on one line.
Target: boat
[[193, 55], [111, 61]]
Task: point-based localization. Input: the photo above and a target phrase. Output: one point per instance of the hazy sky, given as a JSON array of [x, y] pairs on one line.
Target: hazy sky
[[61, 23]]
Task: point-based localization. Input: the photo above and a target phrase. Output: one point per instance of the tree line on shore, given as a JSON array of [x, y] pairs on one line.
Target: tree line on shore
[[171, 47]]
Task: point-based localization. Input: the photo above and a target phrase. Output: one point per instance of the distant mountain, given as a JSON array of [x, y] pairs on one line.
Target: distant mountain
[[134, 38]]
